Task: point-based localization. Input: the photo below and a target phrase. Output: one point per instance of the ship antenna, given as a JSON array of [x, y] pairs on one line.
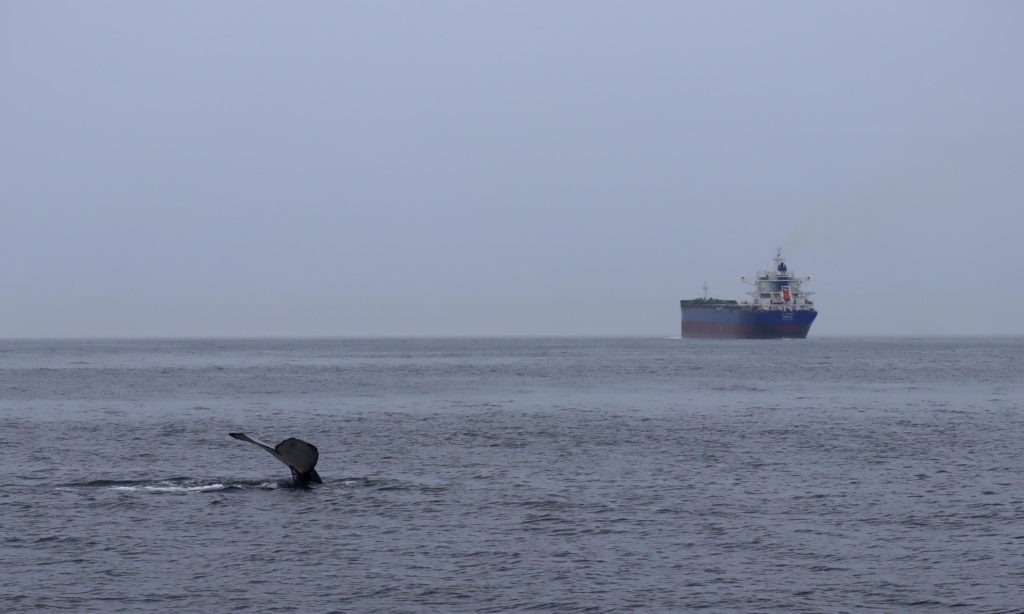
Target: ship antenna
[[705, 290]]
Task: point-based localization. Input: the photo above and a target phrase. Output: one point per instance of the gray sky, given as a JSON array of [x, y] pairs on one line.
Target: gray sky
[[505, 168]]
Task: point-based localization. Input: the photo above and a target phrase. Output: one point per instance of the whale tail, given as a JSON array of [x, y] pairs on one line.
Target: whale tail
[[300, 456]]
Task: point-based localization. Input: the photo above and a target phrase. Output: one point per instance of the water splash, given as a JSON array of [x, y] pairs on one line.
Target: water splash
[[173, 485]]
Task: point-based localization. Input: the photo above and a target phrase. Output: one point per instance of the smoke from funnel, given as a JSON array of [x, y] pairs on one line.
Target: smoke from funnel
[[893, 203]]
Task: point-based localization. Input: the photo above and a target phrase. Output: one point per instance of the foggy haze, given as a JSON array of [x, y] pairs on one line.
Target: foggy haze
[[527, 168]]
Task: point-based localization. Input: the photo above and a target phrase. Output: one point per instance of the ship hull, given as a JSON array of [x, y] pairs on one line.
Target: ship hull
[[745, 323]]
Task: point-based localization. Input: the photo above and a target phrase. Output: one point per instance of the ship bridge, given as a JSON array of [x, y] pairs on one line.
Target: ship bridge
[[777, 290]]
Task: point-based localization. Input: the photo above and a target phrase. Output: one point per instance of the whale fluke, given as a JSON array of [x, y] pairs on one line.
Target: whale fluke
[[300, 456]]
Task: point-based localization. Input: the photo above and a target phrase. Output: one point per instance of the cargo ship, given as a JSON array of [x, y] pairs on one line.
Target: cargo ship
[[778, 309]]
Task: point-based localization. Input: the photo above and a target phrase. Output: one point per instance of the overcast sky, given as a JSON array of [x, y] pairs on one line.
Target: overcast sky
[[506, 168]]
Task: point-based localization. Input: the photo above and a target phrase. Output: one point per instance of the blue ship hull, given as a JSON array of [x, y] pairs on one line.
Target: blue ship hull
[[737, 322]]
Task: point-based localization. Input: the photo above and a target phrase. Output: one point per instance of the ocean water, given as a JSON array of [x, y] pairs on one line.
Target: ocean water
[[502, 475]]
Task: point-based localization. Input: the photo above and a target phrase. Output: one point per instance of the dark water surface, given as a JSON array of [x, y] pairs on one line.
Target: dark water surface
[[582, 475]]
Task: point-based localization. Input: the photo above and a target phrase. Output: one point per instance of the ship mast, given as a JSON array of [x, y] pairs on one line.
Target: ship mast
[[780, 263]]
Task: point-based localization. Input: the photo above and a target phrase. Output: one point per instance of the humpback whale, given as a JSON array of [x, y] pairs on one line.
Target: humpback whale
[[300, 456]]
